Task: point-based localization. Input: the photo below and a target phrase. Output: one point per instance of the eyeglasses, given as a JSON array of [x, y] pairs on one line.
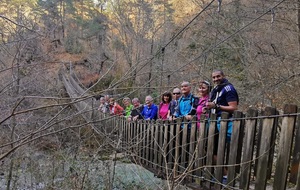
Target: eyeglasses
[[176, 93]]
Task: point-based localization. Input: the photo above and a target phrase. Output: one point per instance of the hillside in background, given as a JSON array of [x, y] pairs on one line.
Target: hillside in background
[[139, 48]]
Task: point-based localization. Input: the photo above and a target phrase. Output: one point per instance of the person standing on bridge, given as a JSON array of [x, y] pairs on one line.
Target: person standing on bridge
[[115, 108], [103, 107], [136, 113], [187, 103], [223, 98], [150, 109], [163, 109], [204, 89], [173, 104], [186, 110], [128, 106]]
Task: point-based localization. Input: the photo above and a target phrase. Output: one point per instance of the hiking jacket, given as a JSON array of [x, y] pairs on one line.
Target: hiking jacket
[[222, 94], [128, 110], [187, 105], [150, 112]]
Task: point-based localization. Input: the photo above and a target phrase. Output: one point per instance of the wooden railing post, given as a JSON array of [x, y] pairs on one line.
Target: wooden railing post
[[184, 145], [272, 148], [234, 146], [155, 138], [166, 142], [144, 142], [285, 147], [248, 146], [141, 141], [148, 142], [209, 169], [192, 148], [171, 145], [221, 149], [177, 147], [201, 151], [152, 127], [295, 155], [160, 145], [264, 149]]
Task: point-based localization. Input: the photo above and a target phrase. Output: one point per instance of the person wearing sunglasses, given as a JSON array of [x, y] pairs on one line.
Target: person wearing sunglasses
[[173, 104]]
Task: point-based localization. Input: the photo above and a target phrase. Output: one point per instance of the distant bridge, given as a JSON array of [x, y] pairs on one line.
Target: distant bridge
[[264, 149]]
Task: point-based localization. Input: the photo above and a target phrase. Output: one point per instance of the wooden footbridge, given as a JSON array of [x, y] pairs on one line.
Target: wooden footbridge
[[264, 147]]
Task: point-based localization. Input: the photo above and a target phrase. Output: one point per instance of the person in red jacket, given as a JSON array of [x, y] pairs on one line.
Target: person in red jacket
[[115, 108]]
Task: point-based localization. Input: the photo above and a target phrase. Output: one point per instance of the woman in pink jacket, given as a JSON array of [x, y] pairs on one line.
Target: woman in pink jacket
[[204, 89]]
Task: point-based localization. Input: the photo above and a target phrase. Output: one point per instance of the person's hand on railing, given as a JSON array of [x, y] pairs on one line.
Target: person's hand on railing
[[135, 118], [171, 118], [189, 117]]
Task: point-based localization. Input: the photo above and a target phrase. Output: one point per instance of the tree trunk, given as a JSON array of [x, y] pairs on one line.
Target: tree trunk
[[298, 23]]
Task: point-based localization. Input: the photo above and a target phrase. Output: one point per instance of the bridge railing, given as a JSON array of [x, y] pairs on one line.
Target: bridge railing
[[261, 147]]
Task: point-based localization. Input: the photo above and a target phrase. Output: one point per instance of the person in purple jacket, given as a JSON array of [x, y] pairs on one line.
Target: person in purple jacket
[[150, 109]]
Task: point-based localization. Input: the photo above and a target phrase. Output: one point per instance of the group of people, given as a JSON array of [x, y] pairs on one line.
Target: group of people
[[181, 103]]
